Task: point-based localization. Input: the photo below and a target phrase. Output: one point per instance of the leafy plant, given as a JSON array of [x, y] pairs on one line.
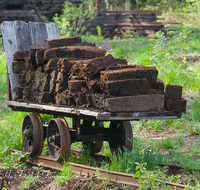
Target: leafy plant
[[99, 30], [65, 174], [74, 19]]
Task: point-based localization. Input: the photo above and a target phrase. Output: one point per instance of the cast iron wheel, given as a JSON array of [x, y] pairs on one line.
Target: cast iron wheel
[[32, 133], [96, 146], [58, 138], [127, 139]]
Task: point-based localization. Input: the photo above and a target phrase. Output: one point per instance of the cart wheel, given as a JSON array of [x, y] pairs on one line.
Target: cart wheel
[[127, 140], [96, 146], [32, 133], [59, 140]]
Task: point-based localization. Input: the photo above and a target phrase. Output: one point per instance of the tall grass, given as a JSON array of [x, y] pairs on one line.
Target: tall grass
[[3, 76]]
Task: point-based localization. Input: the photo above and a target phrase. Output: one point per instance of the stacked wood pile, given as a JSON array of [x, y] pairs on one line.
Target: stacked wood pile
[[117, 23], [11, 10], [49, 8], [12, 15], [69, 72]]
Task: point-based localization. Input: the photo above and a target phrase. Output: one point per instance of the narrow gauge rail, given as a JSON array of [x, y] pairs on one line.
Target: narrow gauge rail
[[118, 177]]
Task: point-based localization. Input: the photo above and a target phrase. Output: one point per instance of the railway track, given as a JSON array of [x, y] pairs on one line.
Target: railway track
[[118, 177]]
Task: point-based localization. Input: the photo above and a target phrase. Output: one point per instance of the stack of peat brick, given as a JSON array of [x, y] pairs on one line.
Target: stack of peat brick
[[70, 73]]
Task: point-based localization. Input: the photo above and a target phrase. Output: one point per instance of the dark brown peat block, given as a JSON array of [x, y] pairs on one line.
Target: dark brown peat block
[[152, 102], [150, 73], [173, 91]]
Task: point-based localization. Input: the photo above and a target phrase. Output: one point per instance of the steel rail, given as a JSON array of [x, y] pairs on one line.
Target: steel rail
[[118, 177]]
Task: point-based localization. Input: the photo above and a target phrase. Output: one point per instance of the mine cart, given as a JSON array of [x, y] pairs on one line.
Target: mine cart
[[87, 125]]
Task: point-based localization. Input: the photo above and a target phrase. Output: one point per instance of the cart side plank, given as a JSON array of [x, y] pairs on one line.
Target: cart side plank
[[10, 47], [38, 33], [22, 35], [52, 31], [93, 115], [19, 35]]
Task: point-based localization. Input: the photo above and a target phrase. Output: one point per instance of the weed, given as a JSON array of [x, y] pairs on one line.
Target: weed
[[154, 179], [65, 174], [14, 160], [38, 168], [27, 182], [126, 161], [170, 143]]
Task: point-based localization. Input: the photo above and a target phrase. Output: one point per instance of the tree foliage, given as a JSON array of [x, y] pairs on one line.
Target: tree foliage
[[73, 18]]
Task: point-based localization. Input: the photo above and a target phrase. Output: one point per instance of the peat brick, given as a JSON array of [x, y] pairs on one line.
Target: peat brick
[[30, 64], [78, 66], [84, 44], [152, 102], [93, 67], [27, 93], [45, 82], [20, 55], [80, 98], [94, 85], [87, 52], [61, 82], [175, 105], [126, 87], [19, 92], [41, 82], [45, 97], [53, 77], [18, 66], [51, 65], [39, 57], [89, 101], [121, 61], [150, 73], [118, 67], [173, 91], [64, 65], [98, 100], [22, 79], [30, 77], [75, 85], [68, 99], [37, 81], [74, 78], [40, 68], [33, 49], [58, 99], [158, 86], [59, 42]]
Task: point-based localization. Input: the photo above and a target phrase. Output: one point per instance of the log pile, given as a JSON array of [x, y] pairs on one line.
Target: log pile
[[70, 73]]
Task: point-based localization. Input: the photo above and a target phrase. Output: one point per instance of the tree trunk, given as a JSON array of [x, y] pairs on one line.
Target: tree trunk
[[127, 6]]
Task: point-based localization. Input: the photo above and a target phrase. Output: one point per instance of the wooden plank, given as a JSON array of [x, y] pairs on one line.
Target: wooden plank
[[10, 46], [22, 35], [52, 31], [38, 33]]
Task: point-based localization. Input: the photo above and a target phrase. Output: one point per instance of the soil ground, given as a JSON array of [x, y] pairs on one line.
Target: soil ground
[[45, 180]]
